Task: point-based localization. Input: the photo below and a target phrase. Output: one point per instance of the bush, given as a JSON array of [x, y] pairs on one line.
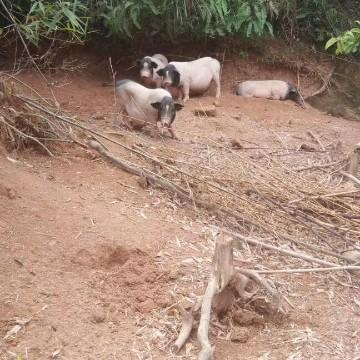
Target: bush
[[175, 18], [178, 19], [41, 20], [346, 43]]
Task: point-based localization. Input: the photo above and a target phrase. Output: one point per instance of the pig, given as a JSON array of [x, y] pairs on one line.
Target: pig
[[191, 76], [148, 66], [270, 89], [150, 105]]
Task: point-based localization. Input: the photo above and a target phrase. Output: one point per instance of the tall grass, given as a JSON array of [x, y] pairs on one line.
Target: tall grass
[[178, 19]]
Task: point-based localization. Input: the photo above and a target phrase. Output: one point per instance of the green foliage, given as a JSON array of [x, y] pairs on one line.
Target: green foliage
[[51, 19], [173, 18], [124, 20], [346, 43], [309, 19]]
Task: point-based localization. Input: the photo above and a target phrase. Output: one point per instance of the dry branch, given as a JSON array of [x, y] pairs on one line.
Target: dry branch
[[261, 244], [135, 170], [186, 327], [325, 85], [300, 271], [351, 177], [354, 160]]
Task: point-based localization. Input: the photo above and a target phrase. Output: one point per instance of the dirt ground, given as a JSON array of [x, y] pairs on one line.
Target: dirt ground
[[89, 259]]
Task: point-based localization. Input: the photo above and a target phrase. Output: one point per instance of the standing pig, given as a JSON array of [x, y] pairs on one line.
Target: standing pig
[[147, 66], [192, 76], [269, 89], [150, 105]]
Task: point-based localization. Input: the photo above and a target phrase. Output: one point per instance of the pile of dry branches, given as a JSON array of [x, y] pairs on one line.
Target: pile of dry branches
[[264, 196], [28, 122]]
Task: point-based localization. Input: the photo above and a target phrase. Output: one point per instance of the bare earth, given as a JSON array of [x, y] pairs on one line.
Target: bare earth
[[91, 260]]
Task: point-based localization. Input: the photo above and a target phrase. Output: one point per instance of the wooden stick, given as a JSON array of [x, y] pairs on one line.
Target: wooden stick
[[207, 351], [320, 166], [351, 177], [317, 139], [250, 241], [291, 271], [354, 160], [133, 169], [325, 84], [254, 274], [186, 327]]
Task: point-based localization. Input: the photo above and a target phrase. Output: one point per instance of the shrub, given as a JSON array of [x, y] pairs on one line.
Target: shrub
[[346, 43], [49, 20]]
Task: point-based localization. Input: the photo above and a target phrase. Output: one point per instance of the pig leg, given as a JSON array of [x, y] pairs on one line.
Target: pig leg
[[216, 78], [275, 95], [186, 91], [158, 83], [172, 134]]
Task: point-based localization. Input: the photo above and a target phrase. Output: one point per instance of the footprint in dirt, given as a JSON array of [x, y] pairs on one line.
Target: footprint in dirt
[[103, 256]]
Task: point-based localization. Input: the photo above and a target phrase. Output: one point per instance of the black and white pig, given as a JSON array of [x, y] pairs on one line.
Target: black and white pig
[[192, 76], [149, 105], [269, 89], [148, 66]]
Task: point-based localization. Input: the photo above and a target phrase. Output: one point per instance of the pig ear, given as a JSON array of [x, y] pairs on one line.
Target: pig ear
[[156, 105], [176, 78], [178, 106], [160, 72], [154, 64]]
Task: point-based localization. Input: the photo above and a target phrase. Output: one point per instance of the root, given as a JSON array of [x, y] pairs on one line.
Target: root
[[324, 87], [188, 322], [207, 351]]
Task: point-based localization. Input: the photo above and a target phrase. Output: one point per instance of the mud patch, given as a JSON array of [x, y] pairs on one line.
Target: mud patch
[[138, 286]]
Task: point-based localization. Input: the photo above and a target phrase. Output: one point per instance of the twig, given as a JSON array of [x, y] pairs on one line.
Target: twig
[[351, 177], [207, 351], [325, 84], [324, 269], [187, 325], [291, 253], [320, 166], [133, 169], [317, 139]]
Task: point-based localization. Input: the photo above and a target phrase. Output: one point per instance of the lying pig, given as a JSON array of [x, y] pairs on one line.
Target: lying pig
[[191, 76], [150, 105], [270, 89], [147, 66]]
